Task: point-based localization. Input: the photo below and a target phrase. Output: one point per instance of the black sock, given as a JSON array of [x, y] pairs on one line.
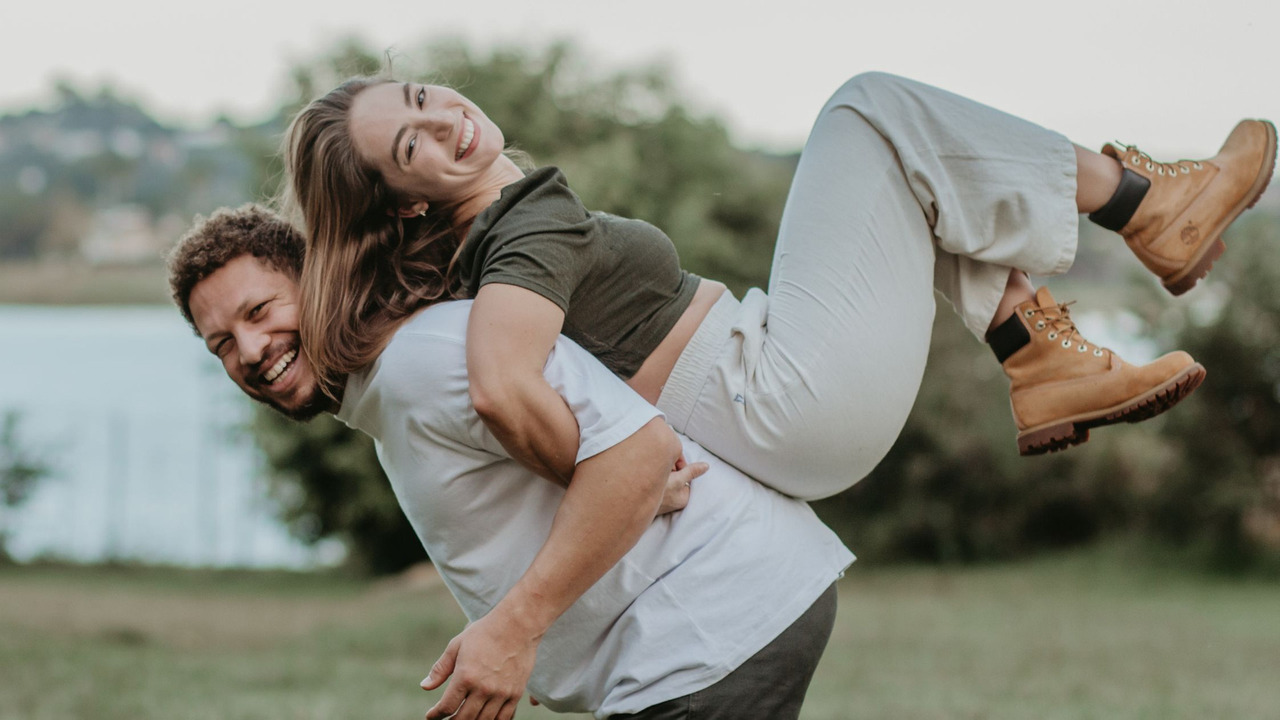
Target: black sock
[[1123, 203], [1008, 338]]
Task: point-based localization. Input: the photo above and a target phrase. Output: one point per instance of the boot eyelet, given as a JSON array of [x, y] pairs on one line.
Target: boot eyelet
[[1029, 313], [1160, 171], [1066, 343], [1196, 165], [1097, 353], [1053, 336], [1137, 160], [1186, 170], [1082, 348], [1151, 166], [1040, 325]]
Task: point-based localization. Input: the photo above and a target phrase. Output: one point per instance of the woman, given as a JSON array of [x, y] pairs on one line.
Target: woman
[[902, 188]]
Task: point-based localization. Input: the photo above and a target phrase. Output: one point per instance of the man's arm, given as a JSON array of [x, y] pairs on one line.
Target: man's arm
[[612, 499]]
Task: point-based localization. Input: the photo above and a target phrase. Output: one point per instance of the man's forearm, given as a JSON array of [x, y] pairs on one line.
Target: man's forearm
[[612, 500]]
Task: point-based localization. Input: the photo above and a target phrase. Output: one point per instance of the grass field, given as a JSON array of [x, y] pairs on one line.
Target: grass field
[[1095, 635]]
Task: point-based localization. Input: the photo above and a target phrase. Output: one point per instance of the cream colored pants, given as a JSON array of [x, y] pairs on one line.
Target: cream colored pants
[[902, 189]]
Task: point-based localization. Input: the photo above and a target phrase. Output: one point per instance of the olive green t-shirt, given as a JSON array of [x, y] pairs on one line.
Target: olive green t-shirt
[[618, 281]]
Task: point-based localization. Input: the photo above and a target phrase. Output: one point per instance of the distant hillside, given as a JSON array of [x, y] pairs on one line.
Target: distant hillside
[[97, 179]]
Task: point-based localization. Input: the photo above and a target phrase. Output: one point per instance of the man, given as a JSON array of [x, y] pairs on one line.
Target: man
[[719, 611]]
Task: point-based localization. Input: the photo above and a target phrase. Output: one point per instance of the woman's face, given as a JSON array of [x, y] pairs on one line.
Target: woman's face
[[429, 142]]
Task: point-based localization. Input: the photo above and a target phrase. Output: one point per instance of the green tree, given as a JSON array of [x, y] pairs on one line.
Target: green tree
[[327, 483], [1221, 498], [20, 471], [953, 488]]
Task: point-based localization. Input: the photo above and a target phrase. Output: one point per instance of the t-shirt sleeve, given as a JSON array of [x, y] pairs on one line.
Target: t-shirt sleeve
[[551, 264], [608, 410]]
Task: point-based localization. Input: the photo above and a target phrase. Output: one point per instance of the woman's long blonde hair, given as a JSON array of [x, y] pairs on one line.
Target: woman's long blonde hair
[[366, 268]]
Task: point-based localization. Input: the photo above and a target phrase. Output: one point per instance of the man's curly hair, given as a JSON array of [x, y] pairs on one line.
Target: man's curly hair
[[226, 235]]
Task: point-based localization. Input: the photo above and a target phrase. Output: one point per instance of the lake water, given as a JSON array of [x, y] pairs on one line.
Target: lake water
[[146, 438]]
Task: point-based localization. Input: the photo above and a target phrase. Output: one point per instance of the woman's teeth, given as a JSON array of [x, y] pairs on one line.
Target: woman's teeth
[[468, 132], [281, 365]]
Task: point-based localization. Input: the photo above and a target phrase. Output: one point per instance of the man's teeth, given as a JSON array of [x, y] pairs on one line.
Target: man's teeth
[[281, 365], [468, 132]]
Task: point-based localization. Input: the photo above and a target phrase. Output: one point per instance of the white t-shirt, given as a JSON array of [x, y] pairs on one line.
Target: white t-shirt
[[702, 591]]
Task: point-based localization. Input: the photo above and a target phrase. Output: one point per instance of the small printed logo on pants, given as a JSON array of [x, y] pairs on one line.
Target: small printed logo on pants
[[739, 399]]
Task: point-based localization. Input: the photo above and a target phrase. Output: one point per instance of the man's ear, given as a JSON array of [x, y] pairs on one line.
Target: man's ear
[[410, 210]]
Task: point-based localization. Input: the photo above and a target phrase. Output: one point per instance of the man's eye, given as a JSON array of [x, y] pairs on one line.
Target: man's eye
[[422, 97], [257, 309], [222, 346]]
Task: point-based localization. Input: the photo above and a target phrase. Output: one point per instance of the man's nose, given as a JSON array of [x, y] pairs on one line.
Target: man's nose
[[253, 348]]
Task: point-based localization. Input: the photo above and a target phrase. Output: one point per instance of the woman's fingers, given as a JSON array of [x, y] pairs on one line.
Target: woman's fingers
[[676, 495]]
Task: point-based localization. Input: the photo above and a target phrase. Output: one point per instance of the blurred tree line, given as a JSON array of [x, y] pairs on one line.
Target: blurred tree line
[[1204, 478]]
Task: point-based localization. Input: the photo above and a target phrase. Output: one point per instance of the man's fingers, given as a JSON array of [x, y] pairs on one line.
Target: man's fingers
[[443, 667], [449, 704], [491, 709], [477, 708], [509, 710]]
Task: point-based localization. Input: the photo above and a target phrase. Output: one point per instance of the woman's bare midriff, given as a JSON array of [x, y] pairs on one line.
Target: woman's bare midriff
[[653, 374]]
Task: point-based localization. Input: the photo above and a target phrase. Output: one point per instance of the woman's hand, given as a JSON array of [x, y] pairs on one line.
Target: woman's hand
[[676, 495]]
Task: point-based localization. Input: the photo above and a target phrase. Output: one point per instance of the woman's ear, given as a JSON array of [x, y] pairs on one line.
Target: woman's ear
[[410, 210]]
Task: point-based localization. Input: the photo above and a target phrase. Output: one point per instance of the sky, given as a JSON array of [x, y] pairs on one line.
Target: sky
[[1170, 76]]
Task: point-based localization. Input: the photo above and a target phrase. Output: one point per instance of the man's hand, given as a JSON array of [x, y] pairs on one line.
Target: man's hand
[[490, 662], [676, 495]]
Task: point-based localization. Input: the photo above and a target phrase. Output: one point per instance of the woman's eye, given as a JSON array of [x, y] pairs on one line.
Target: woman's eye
[[422, 97], [413, 142]]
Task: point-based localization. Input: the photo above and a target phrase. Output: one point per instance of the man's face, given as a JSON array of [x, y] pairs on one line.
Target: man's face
[[247, 313]]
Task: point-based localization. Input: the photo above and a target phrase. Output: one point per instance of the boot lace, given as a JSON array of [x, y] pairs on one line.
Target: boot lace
[[1060, 325], [1141, 159]]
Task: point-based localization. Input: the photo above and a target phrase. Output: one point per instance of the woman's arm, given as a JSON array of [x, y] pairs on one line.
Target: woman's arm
[[509, 335]]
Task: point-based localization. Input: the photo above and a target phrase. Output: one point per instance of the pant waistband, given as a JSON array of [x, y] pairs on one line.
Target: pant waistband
[[693, 367]]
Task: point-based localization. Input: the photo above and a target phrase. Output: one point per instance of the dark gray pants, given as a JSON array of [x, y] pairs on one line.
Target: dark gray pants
[[768, 686]]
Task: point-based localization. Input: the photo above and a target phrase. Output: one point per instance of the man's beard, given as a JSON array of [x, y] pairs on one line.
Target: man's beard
[[307, 411], [313, 405]]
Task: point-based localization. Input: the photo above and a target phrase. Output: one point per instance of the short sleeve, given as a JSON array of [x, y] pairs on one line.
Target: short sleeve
[[608, 410], [551, 264]]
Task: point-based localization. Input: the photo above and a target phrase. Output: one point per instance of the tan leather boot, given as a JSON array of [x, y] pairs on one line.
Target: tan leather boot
[[1062, 385], [1176, 231]]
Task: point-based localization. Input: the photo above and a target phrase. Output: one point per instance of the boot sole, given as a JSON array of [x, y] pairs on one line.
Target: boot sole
[[1213, 250], [1062, 434]]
